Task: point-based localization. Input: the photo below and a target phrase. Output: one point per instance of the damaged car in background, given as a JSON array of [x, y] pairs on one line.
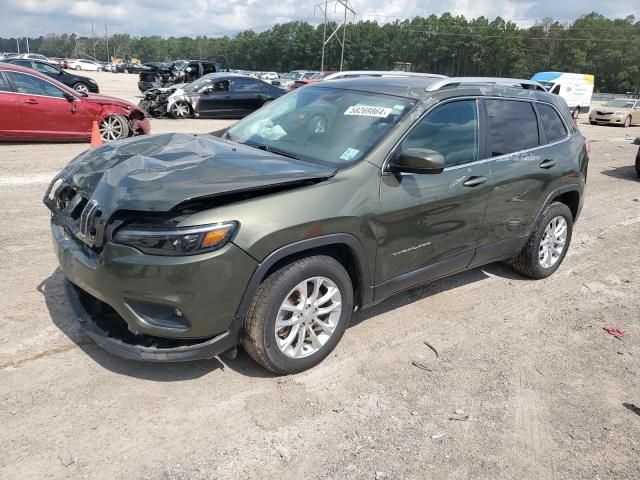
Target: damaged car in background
[[217, 95], [165, 74], [37, 107]]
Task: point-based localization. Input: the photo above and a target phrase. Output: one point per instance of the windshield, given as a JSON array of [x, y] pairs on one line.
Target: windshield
[[180, 64], [547, 85], [620, 103], [198, 85], [292, 75], [324, 125]]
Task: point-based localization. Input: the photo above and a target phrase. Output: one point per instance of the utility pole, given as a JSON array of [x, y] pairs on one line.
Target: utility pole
[[93, 40], [18, 44], [106, 35], [26, 35], [323, 8]]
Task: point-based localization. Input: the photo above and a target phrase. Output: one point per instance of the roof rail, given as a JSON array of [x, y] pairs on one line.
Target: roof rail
[[511, 82]]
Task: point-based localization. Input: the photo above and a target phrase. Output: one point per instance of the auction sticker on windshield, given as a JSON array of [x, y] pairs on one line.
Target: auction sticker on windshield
[[368, 111]]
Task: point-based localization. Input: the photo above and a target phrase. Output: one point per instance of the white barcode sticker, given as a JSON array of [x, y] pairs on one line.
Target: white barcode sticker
[[368, 111]]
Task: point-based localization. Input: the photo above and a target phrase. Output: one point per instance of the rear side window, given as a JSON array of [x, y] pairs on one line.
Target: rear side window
[[34, 86], [451, 130], [245, 85], [22, 63], [553, 126], [513, 126], [209, 68]]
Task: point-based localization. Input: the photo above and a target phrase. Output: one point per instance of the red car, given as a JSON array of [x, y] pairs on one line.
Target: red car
[[36, 107]]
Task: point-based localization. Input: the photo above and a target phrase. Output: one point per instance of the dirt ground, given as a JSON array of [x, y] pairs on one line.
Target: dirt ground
[[547, 391]]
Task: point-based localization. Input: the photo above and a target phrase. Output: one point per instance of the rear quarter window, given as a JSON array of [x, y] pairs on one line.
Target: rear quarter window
[[553, 125], [513, 126]]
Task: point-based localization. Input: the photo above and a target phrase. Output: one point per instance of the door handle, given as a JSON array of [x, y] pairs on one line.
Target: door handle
[[475, 181], [31, 101], [547, 163]]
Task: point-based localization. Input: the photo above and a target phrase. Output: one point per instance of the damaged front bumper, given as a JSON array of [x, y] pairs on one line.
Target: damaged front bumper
[[144, 347], [154, 308]]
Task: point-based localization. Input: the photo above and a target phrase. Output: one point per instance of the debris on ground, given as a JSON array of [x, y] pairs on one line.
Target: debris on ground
[[432, 348], [459, 415], [284, 452], [66, 459], [437, 436], [382, 476], [632, 407], [420, 365], [615, 331]]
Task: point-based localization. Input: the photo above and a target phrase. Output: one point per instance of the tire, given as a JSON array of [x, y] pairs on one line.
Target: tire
[[283, 285], [593, 123], [267, 102], [78, 67], [119, 128], [627, 122], [81, 87], [529, 261], [180, 109]]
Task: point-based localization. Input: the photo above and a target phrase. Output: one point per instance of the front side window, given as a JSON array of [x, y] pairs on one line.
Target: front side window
[[451, 130], [4, 87], [330, 126], [34, 86], [513, 126], [553, 126]]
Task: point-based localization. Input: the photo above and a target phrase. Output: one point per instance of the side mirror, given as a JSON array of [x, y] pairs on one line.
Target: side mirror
[[207, 90], [69, 97], [188, 69], [418, 160]]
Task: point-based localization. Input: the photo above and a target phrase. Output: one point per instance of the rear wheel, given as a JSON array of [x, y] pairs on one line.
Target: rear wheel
[[180, 109], [548, 243], [627, 122], [299, 315], [114, 127], [81, 87], [78, 67]]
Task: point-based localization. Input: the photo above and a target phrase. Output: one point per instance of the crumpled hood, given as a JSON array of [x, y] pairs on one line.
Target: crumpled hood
[[156, 173], [106, 100]]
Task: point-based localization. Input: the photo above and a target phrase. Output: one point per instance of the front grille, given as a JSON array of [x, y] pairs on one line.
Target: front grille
[[87, 217]]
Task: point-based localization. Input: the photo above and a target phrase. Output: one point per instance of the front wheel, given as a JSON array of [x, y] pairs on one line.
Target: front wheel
[[180, 109], [78, 67], [299, 315], [548, 243], [114, 127]]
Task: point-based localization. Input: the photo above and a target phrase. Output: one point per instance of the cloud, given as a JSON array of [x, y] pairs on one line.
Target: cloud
[[215, 17]]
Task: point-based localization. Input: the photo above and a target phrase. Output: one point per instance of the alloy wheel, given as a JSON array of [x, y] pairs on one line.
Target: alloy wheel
[[180, 110], [553, 242], [111, 128], [81, 88], [308, 317]]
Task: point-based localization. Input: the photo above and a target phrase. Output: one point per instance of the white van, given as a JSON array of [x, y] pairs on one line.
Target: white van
[[575, 88]]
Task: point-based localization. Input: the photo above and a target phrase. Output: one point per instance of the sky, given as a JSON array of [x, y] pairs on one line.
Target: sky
[[226, 17]]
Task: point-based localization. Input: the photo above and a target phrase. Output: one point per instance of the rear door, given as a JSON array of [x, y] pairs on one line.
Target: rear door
[[45, 111], [525, 167], [429, 224], [10, 118], [247, 95]]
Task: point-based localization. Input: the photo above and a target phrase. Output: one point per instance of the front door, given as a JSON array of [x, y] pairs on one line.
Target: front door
[[429, 224], [215, 101], [45, 111]]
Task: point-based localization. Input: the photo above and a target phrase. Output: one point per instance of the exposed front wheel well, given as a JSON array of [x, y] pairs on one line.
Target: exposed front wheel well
[[342, 253], [570, 199]]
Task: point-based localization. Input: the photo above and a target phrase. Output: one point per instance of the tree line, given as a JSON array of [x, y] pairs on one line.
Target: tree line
[[446, 44]]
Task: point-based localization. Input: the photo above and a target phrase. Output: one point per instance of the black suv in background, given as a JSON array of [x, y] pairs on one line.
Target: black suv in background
[[158, 75], [79, 83]]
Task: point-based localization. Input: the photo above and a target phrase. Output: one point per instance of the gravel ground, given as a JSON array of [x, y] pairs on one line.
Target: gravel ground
[[526, 383]]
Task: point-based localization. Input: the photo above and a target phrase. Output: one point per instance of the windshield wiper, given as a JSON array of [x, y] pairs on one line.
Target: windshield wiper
[[270, 149]]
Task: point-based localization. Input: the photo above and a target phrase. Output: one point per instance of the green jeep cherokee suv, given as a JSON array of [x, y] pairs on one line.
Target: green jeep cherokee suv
[[271, 233]]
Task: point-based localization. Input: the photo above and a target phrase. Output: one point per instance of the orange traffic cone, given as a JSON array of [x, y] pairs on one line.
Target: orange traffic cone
[[96, 139]]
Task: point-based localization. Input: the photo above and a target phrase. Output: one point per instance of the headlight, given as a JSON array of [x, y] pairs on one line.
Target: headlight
[[177, 241]]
